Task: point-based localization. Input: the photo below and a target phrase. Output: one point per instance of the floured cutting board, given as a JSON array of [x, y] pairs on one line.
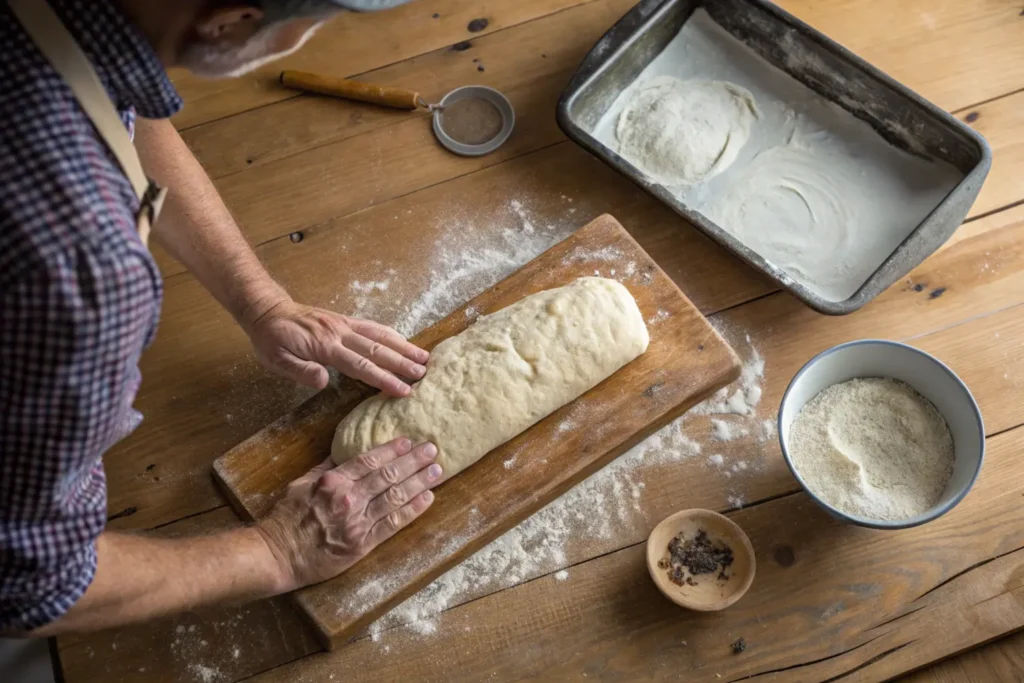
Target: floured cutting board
[[685, 362]]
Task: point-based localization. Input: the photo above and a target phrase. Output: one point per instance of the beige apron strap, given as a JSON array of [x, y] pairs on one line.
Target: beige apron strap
[[66, 57]]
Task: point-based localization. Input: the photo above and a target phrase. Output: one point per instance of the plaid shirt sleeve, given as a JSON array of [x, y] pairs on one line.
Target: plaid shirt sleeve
[[70, 336]]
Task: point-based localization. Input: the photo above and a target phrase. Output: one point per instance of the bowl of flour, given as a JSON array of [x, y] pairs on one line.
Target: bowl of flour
[[881, 434]]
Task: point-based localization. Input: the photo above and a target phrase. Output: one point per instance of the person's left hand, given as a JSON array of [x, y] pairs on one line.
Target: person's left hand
[[297, 341]]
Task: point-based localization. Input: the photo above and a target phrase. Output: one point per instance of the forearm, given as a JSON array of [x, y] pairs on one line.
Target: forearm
[[139, 578], [197, 229]]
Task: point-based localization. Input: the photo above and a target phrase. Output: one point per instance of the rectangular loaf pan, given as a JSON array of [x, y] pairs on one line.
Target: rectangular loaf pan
[[902, 117]]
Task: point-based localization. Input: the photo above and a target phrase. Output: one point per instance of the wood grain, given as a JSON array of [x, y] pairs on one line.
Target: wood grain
[[685, 362], [1002, 660], [1001, 121], [519, 57], [910, 40], [353, 44]]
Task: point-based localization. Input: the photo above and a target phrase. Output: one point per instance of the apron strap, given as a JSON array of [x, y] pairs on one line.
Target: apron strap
[[67, 58]]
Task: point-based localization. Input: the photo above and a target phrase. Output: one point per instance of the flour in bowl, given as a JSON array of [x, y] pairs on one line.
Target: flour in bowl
[[873, 448]]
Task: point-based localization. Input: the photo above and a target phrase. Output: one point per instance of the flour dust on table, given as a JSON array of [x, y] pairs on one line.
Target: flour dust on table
[[816, 192]]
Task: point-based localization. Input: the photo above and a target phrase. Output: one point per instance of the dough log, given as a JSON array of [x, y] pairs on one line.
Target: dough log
[[505, 373]]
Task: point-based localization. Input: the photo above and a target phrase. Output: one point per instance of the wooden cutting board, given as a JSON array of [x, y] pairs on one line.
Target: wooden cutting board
[[685, 362]]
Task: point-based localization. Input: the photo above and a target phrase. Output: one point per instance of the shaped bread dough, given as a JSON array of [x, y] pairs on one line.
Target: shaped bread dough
[[683, 132], [504, 374]]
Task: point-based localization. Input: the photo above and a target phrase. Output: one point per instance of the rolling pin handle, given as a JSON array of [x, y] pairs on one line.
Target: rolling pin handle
[[386, 96]]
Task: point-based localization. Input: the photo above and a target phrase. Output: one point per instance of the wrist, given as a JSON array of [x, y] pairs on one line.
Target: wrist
[[256, 304], [271, 570]]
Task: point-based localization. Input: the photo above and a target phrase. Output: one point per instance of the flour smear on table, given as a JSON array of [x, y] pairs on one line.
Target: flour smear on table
[[873, 448], [814, 191]]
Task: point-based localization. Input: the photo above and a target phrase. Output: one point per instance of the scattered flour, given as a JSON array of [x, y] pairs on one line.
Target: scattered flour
[[741, 400], [598, 508], [465, 262], [366, 287], [561, 575], [662, 314], [510, 463], [722, 430], [206, 674], [517, 208], [603, 254]]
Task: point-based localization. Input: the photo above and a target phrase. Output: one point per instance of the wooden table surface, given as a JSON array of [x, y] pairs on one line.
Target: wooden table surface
[[358, 210]]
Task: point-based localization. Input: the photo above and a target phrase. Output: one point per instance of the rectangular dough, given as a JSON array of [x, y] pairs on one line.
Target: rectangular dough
[[505, 373]]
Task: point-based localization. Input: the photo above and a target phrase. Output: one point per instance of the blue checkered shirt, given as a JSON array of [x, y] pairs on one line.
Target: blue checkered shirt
[[79, 300]]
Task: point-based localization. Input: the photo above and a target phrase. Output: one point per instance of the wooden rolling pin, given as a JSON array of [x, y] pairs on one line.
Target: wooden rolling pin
[[386, 96]]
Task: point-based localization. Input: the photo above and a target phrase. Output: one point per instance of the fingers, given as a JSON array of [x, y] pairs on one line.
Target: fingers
[[389, 338], [362, 368], [373, 459], [304, 372], [398, 470], [400, 494], [384, 357], [398, 519]]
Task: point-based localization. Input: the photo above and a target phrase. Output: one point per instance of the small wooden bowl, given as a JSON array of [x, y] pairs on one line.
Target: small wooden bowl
[[709, 593]]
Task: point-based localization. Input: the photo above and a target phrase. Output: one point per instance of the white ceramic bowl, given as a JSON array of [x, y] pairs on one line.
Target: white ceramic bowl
[[929, 377]]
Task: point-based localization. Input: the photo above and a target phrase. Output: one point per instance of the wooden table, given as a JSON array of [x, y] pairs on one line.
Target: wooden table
[[340, 198]]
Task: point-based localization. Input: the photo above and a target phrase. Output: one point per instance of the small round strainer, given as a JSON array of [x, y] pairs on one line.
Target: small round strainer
[[473, 120]]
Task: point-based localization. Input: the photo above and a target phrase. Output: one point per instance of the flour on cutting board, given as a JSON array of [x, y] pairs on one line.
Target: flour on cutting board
[[815, 191]]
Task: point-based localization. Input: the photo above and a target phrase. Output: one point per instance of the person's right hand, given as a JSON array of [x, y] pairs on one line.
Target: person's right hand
[[333, 516]]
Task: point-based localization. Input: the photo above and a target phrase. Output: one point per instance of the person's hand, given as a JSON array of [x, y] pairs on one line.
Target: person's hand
[[297, 341], [333, 516]]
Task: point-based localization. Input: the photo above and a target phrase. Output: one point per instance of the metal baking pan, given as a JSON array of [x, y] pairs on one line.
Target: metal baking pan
[[899, 115]]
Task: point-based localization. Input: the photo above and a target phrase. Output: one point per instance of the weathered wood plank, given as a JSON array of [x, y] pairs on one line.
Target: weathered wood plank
[[933, 48], [354, 44], [1002, 660], [829, 600], [1001, 121], [524, 56]]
